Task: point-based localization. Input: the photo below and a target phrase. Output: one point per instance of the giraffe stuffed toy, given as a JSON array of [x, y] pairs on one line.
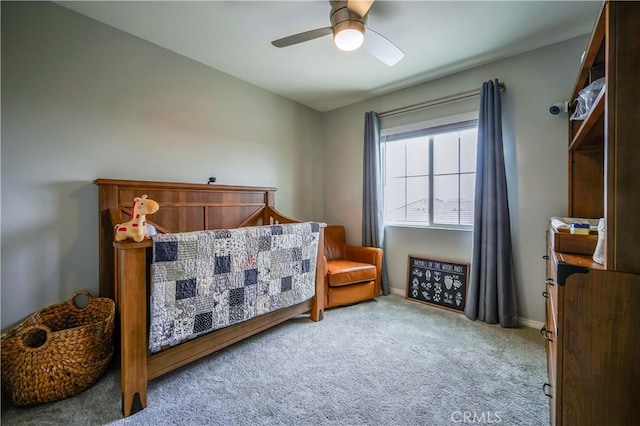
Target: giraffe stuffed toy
[[136, 228]]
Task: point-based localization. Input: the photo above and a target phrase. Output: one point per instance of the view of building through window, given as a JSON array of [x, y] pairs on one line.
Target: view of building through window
[[429, 176]]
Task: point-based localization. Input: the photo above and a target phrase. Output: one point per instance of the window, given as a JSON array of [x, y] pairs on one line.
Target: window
[[429, 176]]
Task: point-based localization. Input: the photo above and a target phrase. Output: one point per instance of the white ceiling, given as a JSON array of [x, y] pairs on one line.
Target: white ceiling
[[437, 37]]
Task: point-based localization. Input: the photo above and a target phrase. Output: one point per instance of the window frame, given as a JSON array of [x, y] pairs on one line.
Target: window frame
[[427, 129]]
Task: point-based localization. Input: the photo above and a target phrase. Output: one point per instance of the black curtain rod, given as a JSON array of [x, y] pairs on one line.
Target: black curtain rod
[[434, 102]]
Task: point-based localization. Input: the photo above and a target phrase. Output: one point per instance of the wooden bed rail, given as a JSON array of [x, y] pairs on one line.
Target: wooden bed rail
[[138, 365]]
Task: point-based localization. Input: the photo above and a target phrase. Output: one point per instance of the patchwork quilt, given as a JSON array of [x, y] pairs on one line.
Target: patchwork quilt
[[206, 280]]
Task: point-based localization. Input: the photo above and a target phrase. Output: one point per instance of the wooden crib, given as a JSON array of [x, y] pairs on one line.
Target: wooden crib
[[124, 270]]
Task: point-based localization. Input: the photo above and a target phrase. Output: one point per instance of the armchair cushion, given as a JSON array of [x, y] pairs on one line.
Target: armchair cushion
[[345, 272]]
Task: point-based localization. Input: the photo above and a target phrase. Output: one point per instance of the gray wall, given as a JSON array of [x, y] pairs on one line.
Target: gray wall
[[82, 100], [535, 151]]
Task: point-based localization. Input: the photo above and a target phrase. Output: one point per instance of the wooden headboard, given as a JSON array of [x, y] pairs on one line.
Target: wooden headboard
[[183, 207]]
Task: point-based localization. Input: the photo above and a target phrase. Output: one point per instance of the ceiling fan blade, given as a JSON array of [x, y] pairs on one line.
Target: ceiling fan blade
[[301, 37], [381, 48], [361, 7]]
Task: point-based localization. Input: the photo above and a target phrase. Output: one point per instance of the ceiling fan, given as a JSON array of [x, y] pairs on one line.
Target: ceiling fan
[[348, 25]]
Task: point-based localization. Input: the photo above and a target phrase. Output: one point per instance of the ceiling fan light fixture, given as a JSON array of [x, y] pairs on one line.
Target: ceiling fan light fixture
[[348, 39], [348, 35]]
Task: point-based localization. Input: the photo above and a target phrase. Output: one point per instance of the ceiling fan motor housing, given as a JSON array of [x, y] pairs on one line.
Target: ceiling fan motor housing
[[342, 18]]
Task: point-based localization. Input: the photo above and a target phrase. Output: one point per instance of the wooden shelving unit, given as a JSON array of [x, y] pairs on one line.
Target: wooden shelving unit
[[593, 311], [591, 131]]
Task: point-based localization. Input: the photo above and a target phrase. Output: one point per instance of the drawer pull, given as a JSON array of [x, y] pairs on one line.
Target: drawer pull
[[549, 281], [544, 390], [544, 332], [545, 294]]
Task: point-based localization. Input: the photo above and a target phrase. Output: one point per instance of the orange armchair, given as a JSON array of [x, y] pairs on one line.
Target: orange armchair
[[353, 273]]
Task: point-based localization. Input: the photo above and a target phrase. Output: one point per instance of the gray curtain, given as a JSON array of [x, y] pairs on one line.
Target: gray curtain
[[491, 295], [372, 222]]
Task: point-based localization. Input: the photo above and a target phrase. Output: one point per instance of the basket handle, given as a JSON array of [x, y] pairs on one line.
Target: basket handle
[[34, 337], [81, 293]]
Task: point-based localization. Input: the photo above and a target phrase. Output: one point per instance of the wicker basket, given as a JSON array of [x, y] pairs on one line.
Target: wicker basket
[[58, 351]]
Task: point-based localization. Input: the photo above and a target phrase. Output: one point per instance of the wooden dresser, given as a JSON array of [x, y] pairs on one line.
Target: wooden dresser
[[592, 325]]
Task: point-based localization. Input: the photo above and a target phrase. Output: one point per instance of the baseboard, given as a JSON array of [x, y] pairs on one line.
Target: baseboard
[[524, 322], [397, 291]]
